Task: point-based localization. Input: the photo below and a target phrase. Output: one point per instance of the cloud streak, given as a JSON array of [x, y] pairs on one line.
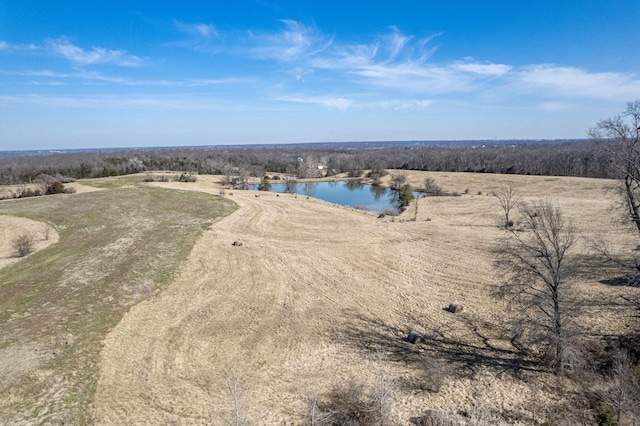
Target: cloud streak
[[571, 82], [404, 62], [97, 55], [198, 30], [338, 103], [94, 77], [307, 66], [294, 41]]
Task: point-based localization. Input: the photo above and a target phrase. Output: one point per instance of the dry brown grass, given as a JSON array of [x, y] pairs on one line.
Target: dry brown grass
[[115, 248], [316, 295], [320, 293], [12, 227]]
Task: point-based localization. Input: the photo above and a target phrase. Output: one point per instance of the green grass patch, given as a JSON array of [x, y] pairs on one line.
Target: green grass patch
[[116, 248]]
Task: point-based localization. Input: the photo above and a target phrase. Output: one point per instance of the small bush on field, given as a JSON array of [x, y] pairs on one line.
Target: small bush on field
[[186, 177], [355, 403], [436, 372], [605, 416], [56, 188], [389, 211], [23, 244]]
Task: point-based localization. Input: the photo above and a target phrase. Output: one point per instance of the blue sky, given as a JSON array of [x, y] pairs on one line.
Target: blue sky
[[77, 74]]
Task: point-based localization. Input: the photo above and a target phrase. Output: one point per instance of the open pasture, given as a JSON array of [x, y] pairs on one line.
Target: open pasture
[[145, 313]]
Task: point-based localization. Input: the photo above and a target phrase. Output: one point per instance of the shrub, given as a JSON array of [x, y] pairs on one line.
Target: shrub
[[264, 185], [187, 177], [23, 244], [355, 403], [56, 188], [389, 211], [436, 372], [605, 416], [405, 195]]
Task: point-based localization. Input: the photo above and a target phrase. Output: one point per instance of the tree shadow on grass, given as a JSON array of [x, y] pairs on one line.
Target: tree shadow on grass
[[466, 348], [622, 281]]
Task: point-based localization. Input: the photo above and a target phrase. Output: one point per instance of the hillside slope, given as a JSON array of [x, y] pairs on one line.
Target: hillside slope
[[318, 294]]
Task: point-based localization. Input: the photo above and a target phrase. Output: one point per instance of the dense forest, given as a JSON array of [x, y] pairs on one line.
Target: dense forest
[[585, 158]]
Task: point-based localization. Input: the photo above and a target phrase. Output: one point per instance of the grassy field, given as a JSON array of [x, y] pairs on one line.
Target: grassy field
[[144, 312], [117, 247]]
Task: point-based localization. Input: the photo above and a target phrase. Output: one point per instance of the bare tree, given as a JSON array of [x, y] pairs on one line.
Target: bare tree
[[23, 244], [315, 416], [431, 187], [508, 198], [621, 389], [397, 180], [290, 186], [227, 174], [233, 385], [624, 131], [619, 138], [539, 275]]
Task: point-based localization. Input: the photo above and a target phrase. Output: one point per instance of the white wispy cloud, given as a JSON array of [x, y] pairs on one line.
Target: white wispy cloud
[[404, 62], [339, 103], [97, 55], [405, 105], [4, 45], [293, 41], [94, 77], [115, 102], [198, 30], [575, 82], [485, 69]]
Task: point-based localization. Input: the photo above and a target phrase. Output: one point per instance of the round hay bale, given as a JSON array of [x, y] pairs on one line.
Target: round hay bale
[[413, 337], [237, 243], [455, 307]]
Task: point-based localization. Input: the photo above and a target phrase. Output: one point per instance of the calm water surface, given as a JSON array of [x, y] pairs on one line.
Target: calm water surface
[[348, 193]]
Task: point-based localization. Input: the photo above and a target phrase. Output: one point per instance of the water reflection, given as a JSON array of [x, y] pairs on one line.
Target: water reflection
[[352, 185], [378, 191], [291, 186], [309, 188], [347, 193]]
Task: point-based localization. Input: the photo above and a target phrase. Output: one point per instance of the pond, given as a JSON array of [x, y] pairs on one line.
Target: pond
[[351, 193]]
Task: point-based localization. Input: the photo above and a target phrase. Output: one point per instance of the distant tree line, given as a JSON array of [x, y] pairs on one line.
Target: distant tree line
[[570, 158]]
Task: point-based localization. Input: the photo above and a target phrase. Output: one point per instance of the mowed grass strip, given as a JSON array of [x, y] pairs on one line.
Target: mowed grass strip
[[116, 248]]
